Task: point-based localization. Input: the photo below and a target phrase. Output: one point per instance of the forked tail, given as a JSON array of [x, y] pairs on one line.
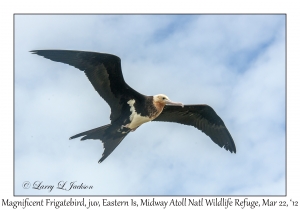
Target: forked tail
[[109, 136]]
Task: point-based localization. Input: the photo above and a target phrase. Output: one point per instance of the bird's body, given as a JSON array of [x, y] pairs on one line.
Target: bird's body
[[129, 108]]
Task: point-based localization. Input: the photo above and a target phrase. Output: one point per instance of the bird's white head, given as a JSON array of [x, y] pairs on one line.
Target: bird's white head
[[163, 99]]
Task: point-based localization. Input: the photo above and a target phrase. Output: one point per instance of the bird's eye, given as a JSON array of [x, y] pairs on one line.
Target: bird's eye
[[164, 98]]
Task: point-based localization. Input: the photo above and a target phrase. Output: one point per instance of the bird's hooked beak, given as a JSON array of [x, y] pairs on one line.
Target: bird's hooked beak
[[169, 102]]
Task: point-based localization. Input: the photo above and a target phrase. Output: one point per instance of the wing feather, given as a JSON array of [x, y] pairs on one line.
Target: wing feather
[[104, 72], [202, 117]]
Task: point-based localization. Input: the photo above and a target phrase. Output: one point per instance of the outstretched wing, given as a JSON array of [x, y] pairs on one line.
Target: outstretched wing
[[202, 117], [104, 72]]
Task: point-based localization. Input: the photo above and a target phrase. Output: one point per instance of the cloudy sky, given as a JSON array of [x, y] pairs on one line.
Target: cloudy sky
[[234, 63]]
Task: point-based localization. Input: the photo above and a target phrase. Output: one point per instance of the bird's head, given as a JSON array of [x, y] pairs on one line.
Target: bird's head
[[163, 99]]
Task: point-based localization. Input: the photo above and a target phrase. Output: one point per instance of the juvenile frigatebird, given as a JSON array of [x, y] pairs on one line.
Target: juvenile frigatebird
[[129, 108]]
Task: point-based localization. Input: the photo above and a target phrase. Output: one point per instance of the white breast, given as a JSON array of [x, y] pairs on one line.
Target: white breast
[[135, 118]]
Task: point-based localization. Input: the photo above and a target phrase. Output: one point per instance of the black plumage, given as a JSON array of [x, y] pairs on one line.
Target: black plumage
[[129, 108], [202, 117]]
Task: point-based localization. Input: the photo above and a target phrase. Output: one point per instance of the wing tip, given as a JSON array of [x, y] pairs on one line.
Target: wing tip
[[34, 51], [38, 52], [233, 151], [102, 159], [231, 148], [73, 137]]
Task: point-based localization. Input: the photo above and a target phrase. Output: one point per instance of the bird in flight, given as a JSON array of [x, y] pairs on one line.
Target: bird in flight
[[129, 108]]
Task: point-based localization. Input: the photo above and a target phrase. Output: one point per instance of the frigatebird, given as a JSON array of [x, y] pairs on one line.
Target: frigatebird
[[129, 108]]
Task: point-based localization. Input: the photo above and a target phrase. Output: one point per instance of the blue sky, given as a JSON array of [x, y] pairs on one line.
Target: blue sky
[[234, 63]]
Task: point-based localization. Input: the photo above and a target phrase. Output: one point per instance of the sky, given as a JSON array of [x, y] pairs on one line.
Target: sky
[[234, 63]]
